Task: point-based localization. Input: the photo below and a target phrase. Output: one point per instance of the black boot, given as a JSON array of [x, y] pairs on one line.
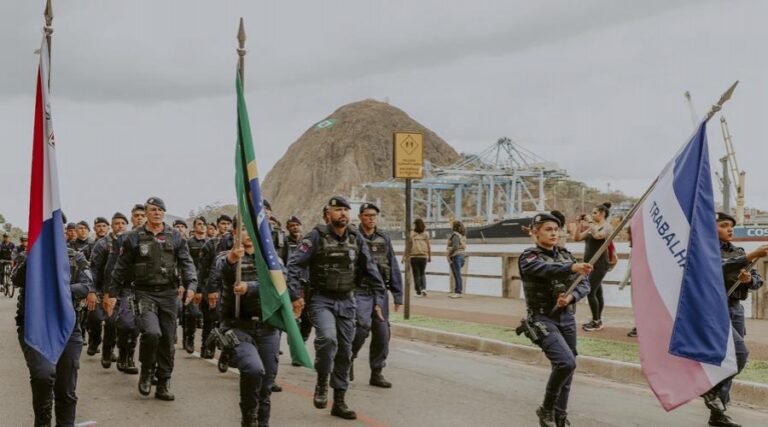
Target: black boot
[[42, 404], [276, 388], [122, 355], [720, 419], [93, 348], [145, 381], [163, 391], [561, 419], [249, 417], [189, 343], [130, 365], [106, 358], [378, 380], [321, 391], [340, 408], [712, 401], [546, 417]]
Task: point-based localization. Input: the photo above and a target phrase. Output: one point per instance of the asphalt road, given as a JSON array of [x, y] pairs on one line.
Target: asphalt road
[[434, 386]]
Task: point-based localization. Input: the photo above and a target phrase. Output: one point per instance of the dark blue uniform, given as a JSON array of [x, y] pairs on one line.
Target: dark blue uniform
[[305, 324], [125, 322], [545, 274], [734, 260], [257, 353], [149, 262], [98, 262], [208, 254], [190, 314], [380, 246], [56, 382], [337, 266]]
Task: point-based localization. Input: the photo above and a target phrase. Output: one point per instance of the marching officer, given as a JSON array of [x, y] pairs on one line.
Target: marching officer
[[338, 259], [99, 257], [292, 242], [256, 352], [219, 244], [368, 322], [546, 271], [735, 260], [56, 382], [149, 258], [191, 313]]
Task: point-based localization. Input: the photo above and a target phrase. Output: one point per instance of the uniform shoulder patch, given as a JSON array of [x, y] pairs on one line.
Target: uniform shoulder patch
[[305, 245]]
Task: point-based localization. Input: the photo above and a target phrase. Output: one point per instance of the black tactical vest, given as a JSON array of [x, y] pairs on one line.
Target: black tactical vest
[[540, 293], [195, 246], [377, 245], [728, 251], [250, 305], [155, 262], [333, 267]]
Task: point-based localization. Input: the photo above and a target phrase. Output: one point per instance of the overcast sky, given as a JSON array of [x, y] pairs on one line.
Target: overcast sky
[[143, 91]]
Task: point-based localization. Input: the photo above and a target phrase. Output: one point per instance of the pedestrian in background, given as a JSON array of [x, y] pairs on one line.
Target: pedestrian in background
[[457, 246], [419, 256]]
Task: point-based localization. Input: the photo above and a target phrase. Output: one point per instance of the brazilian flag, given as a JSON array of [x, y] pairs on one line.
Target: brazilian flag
[[276, 308]]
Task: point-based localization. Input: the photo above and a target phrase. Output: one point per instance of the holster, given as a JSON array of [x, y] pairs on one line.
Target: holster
[[533, 330], [144, 306]]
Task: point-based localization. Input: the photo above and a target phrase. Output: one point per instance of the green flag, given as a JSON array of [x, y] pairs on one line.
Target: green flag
[[276, 308]]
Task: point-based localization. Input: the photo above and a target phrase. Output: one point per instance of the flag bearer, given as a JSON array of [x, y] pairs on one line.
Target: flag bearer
[[735, 260], [546, 271]]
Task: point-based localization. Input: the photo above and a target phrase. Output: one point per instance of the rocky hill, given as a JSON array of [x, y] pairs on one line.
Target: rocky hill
[[350, 147]]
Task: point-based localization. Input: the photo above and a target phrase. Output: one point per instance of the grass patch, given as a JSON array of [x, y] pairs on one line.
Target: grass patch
[[756, 371]]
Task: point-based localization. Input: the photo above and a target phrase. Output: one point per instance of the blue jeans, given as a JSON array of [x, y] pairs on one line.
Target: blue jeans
[[457, 262]]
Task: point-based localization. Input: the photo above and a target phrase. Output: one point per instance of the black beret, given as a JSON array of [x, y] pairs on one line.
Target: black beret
[[365, 206], [338, 201], [293, 218], [545, 217], [722, 216], [200, 218], [84, 224], [156, 201], [222, 217], [138, 207], [179, 222], [119, 215], [71, 226], [100, 220]]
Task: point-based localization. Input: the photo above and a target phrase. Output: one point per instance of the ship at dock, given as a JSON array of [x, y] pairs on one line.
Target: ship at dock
[[495, 193]]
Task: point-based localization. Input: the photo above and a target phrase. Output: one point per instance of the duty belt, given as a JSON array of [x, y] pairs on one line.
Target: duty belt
[[333, 295], [252, 323], [546, 312], [364, 291], [154, 288]]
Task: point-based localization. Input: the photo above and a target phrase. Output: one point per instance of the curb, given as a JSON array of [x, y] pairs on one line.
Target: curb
[[747, 392]]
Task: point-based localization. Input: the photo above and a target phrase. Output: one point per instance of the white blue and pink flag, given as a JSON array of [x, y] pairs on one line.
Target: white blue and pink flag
[[678, 294], [49, 313]]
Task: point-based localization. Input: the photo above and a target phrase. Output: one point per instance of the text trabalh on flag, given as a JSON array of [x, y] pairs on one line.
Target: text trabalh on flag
[[49, 314], [276, 308], [678, 294]]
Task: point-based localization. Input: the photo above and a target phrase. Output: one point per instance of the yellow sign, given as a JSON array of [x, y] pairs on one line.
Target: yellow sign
[[408, 158]]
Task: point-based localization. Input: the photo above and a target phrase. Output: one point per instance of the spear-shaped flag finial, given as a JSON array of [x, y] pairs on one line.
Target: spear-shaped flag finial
[[723, 99]]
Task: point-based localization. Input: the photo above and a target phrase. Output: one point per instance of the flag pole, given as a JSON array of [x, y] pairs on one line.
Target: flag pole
[[48, 30], [238, 233], [604, 247]]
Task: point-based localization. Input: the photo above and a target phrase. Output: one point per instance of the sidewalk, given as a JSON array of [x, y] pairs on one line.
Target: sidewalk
[[508, 312]]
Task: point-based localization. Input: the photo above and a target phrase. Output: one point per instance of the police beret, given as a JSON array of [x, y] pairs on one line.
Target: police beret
[[338, 201], [722, 216], [119, 215], [201, 218], [545, 217], [365, 206], [179, 222], [100, 220], [266, 204], [293, 218], [137, 207], [84, 224], [156, 201], [221, 218], [71, 226]]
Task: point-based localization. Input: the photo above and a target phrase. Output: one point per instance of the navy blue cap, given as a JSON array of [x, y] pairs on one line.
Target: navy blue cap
[[338, 201], [71, 226], [722, 216], [293, 218], [137, 207], [365, 206], [84, 224], [545, 217], [119, 215], [223, 218], [100, 220], [156, 201], [179, 222]]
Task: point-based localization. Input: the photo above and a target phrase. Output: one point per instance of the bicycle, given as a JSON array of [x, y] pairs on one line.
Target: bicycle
[[8, 288]]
